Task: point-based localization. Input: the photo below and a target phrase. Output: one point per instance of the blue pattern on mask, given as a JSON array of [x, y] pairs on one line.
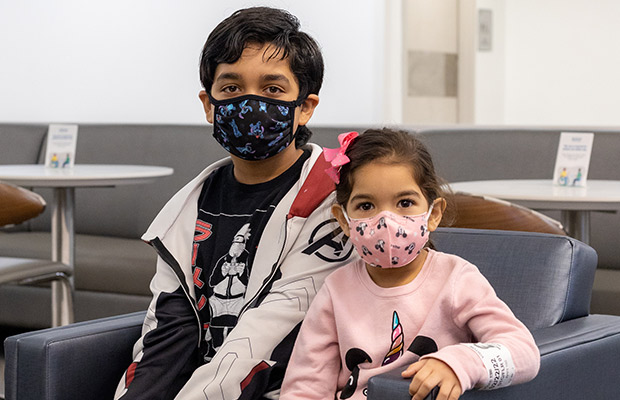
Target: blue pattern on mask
[[236, 130], [254, 127], [257, 130], [283, 110], [244, 108]]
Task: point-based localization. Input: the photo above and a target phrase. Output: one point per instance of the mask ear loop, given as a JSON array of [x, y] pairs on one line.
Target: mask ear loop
[[346, 216], [430, 210]]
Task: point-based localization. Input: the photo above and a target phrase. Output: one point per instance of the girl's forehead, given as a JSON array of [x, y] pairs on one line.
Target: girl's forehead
[[386, 166], [383, 177]]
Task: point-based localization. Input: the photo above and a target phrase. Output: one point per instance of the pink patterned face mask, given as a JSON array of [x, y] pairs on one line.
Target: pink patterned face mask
[[389, 240]]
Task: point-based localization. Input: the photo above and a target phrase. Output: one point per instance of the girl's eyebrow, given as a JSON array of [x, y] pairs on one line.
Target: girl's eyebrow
[[360, 196], [404, 193], [409, 193]]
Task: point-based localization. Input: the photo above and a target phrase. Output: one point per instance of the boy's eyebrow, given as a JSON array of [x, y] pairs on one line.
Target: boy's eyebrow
[[233, 76], [228, 76], [275, 77]]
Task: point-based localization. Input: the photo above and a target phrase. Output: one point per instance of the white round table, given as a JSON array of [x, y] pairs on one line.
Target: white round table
[[575, 203], [64, 181]]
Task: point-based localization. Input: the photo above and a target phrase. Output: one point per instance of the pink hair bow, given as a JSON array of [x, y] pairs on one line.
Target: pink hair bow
[[336, 157]]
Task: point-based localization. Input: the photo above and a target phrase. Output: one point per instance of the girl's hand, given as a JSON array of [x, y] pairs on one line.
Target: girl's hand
[[429, 373]]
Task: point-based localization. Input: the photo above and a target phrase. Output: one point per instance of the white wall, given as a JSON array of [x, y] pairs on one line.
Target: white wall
[[430, 27], [562, 62], [137, 61], [490, 69]]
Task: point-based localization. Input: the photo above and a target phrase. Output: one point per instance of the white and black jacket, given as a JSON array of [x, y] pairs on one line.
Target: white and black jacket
[[300, 245]]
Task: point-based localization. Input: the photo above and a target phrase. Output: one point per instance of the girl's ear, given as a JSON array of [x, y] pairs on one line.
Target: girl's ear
[[342, 221], [439, 206]]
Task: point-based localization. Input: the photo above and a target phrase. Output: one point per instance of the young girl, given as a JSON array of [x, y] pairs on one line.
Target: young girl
[[402, 304]]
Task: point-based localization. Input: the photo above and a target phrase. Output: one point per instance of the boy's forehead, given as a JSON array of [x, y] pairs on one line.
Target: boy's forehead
[[263, 60]]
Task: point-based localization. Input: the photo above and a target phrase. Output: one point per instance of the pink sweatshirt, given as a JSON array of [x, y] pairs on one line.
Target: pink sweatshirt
[[355, 329]]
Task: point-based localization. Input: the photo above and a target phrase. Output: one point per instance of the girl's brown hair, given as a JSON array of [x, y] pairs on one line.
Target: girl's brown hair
[[391, 146]]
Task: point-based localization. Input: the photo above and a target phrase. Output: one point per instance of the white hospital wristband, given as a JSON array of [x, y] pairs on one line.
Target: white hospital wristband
[[498, 362]]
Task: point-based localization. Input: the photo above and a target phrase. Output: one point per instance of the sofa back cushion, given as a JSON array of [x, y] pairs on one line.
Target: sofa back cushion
[[127, 211], [484, 153], [545, 279], [21, 143]]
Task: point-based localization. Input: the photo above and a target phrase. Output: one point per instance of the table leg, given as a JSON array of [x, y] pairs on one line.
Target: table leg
[[63, 250], [577, 224]]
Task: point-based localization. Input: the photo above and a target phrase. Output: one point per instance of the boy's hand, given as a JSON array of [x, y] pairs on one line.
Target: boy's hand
[[429, 373]]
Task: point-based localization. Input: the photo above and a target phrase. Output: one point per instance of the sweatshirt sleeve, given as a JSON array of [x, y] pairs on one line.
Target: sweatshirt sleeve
[[313, 370], [502, 352]]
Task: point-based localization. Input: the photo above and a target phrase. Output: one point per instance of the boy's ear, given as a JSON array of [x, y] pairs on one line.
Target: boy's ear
[[435, 218], [337, 211], [307, 108], [206, 104]]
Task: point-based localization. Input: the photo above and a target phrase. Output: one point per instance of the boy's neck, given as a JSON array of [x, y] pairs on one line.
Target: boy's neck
[[260, 171]]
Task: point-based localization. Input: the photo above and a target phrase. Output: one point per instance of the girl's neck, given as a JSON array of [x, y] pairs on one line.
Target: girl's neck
[[393, 277]]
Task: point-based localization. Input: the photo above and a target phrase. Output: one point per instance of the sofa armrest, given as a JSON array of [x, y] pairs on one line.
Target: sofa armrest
[[578, 361], [79, 361]]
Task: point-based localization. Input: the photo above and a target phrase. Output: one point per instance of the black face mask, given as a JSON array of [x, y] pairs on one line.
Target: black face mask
[[254, 127]]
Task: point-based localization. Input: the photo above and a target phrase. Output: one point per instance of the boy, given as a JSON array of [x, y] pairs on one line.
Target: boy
[[244, 247]]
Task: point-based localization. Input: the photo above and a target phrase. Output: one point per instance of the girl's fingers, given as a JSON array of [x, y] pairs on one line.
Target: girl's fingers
[[455, 393], [412, 369], [448, 392], [423, 383]]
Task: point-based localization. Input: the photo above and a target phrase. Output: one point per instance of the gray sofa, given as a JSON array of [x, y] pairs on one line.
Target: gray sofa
[[545, 279], [113, 267]]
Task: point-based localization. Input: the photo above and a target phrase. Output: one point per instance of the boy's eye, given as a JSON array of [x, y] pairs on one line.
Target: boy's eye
[[230, 89], [274, 90]]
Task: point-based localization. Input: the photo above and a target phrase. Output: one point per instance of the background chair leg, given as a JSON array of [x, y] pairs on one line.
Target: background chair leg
[[62, 301]]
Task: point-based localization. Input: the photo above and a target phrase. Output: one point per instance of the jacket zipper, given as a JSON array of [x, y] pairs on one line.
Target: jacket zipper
[[169, 259]]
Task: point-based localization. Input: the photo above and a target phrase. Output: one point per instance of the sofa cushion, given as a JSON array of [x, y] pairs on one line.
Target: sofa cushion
[[102, 263]]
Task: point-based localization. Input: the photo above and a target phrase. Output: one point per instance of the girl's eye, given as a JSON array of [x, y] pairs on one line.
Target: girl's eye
[[405, 203], [365, 206]]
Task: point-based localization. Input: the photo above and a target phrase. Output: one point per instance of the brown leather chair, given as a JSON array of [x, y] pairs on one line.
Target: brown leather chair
[[481, 212], [16, 206]]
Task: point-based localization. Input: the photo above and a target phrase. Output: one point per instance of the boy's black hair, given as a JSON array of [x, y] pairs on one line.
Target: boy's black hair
[[261, 25]]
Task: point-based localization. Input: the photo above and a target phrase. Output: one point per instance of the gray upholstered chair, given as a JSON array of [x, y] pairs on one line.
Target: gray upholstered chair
[[546, 279]]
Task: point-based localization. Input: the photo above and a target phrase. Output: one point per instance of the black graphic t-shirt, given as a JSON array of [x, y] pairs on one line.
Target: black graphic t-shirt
[[231, 219]]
